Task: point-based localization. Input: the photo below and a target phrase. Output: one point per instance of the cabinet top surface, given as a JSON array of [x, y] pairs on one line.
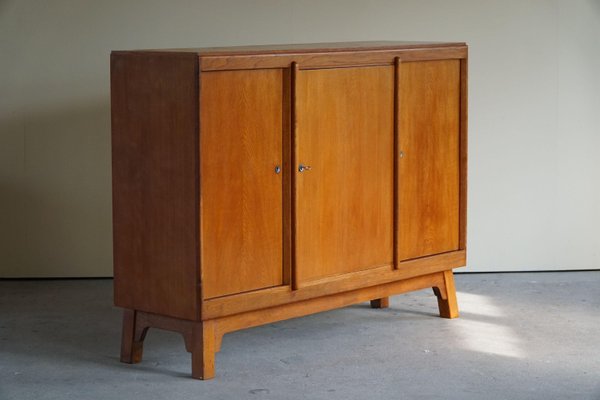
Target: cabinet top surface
[[304, 48]]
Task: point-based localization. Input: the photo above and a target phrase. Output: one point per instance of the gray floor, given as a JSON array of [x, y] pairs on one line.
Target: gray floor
[[520, 336]]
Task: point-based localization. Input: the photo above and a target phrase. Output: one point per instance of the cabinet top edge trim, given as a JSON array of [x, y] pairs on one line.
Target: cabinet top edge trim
[[330, 60], [300, 48]]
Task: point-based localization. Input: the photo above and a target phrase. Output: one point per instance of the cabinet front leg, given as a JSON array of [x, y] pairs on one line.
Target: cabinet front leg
[[203, 350], [446, 296], [132, 338], [383, 302]]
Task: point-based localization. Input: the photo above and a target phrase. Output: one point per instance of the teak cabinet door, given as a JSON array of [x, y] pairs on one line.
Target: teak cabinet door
[[241, 120], [344, 202], [428, 186]]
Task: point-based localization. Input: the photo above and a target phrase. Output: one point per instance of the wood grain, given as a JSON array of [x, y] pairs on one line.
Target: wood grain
[[445, 292], [311, 60], [344, 210], [203, 348], [243, 302], [429, 169], [463, 152], [209, 239], [241, 145], [287, 175], [396, 226], [154, 108], [295, 48], [203, 339], [199, 338], [294, 70], [323, 303]]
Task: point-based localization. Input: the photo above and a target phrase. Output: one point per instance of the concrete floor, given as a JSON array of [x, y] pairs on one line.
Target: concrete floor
[[520, 336]]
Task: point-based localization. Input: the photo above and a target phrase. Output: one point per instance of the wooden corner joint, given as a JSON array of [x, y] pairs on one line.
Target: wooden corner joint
[[200, 338]]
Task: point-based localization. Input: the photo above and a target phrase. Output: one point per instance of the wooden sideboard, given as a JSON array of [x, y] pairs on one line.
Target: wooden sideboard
[[255, 184]]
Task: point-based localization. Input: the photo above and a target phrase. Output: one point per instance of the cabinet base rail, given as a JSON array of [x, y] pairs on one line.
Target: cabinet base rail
[[203, 338]]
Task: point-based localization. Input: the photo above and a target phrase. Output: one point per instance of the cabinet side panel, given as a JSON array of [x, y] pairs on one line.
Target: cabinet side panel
[[429, 169], [154, 102]]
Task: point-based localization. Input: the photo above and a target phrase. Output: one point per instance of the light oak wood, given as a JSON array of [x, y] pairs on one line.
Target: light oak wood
[[287, 176], [344, 203], [316, 55], [209, 238], [203, 339], [293, 310], [243, 302], [463, 152], [429, 169], [383, 302], [294, 71], [241, 121], [199, 338], [446, 296], [203, 349], [307, 48], [324, 60], [396, 226]]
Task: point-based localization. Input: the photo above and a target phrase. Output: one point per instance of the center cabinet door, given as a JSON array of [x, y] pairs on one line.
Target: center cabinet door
[[344, 197]]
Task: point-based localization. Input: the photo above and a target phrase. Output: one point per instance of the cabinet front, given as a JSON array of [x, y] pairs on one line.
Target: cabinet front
[[241, 125], [352, 127], [344, 171]]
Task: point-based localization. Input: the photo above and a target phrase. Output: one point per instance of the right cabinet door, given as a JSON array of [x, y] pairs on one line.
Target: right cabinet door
[[428, 178]]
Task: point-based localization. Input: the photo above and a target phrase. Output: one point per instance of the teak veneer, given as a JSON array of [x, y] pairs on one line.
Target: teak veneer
[[256, 184]]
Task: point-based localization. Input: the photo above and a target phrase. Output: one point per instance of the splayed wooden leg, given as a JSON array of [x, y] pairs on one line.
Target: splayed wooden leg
[[446, 296]]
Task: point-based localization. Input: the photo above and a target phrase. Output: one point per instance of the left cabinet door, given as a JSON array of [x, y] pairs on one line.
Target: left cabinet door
[[241, 127]]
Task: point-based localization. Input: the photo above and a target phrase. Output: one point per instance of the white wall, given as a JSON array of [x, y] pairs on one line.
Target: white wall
[[534, 115]]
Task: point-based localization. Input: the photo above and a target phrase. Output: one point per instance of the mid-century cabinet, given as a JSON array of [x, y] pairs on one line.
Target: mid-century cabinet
[[255, 184]]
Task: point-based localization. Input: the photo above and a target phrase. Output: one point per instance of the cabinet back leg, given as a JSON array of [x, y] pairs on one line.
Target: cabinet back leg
[[446, 296], [203, 350], [132, 339], [383, 302]]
